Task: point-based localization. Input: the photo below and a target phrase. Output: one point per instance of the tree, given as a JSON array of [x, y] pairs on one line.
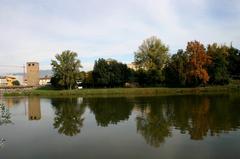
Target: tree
[[16, 83], [234, 62], [66, 69], [88, 80], [110, 73], [152, 54], [218, 70], [175, 71], [101, 75], [196, 66]]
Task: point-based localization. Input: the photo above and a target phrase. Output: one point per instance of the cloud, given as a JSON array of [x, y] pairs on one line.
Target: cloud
[[36, 31]]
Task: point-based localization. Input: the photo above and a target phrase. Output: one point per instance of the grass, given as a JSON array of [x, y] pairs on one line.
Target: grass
[[127, 91]]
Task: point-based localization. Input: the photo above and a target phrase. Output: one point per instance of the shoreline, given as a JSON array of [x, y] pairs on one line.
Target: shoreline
[[152, 91]]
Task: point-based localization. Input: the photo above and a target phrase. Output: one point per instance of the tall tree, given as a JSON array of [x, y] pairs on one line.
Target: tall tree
[[234, 62], [66, 69], [110, 73], [101, 75], [217, 70], [175, 71], [152, 56], [197, 61]]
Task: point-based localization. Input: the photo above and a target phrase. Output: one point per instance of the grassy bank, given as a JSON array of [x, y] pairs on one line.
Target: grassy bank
[[128, 91]]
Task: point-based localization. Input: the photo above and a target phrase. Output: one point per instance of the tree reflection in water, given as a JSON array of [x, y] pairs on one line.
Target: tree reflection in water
[[5, 115], [5, 118], [110, 110], [69, 112], [154, 122], [199, 116]]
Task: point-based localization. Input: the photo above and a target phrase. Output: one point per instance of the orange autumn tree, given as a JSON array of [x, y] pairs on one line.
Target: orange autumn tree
[[196, 66]]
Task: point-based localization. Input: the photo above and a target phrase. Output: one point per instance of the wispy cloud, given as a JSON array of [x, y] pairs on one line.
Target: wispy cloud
[[37, 30]]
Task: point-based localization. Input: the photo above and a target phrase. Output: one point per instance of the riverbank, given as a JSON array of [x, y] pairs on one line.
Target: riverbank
[[127, 91]]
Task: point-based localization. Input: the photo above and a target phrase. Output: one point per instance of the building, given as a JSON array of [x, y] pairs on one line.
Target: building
[[44, 81], [32, 73], [3, 82], [10, 80], [19, 78], [132, 66]]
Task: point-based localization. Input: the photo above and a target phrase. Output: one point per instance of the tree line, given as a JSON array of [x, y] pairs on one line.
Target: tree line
[[197, 65]]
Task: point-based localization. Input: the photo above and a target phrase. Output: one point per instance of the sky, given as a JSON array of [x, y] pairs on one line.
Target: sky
[[37, 30]]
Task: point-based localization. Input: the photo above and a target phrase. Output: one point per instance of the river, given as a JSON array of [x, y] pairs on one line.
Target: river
[[169, 127]]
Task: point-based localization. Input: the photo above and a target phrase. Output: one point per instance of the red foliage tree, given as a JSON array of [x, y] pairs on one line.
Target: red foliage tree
[[197, 61]]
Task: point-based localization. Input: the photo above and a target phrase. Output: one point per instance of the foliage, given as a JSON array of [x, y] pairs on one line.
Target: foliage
[[218, 69], [152, 54], [88, 81], [16, 83], [234, 62], [66, 69], [151, 77], [110, 73], [175, 71], [196, 65]]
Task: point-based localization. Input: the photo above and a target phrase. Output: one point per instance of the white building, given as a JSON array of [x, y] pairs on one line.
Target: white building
[[44, 81]]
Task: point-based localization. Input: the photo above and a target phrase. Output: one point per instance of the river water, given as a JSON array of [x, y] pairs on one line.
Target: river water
[[169, 127]]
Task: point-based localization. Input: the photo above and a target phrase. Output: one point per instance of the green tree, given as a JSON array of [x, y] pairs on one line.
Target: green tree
[[16, 83], [234, 62], [152, 54], [88, 79], [101, 75], [110, 73], [66, 69], [175, 71], [218, 70]]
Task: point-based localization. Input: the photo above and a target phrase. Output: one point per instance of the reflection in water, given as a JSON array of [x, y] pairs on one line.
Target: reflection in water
[[10, 102], [202, 115], [156, 117], [2, 141], [109, 110], [69, 112], [5, 115], [199, 116], [154, 122], [34, 109]]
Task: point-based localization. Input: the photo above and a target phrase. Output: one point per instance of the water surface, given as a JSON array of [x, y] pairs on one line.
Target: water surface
[[206, 126]]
